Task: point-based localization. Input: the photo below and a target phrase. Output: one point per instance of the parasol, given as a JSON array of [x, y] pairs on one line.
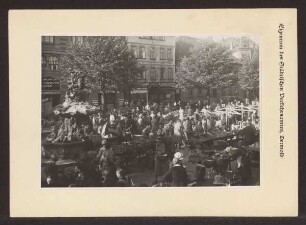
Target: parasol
[[74, 108], [59, 109]]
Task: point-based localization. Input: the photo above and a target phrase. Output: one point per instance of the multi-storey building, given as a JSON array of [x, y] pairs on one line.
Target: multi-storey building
[[53, 90], [242, 47], [156, 54]]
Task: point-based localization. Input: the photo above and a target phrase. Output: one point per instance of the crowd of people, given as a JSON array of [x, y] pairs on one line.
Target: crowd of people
[[172, 126]]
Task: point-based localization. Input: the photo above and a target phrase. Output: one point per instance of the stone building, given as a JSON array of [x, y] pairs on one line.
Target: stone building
[[156, 55], [241, 47], [53, 90]]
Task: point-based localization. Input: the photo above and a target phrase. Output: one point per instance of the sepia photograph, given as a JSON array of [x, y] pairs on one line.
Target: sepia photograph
[[198, 119], [150, 111]]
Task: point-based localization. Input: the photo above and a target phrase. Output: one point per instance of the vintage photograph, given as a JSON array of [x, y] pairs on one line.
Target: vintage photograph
[[150, 111]]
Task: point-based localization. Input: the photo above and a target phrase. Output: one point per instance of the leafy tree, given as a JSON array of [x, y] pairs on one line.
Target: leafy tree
[[210, 65], [107, 63], [249, 73]]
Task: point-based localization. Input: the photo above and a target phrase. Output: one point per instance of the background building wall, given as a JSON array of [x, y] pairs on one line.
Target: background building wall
[[241, 47], [156, 54]]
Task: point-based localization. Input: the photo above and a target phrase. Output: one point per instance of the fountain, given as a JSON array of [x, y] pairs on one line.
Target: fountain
[[72, 137]]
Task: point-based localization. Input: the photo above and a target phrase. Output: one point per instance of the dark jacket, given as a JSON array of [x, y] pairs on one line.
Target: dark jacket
[[177, 175], [249, 134]]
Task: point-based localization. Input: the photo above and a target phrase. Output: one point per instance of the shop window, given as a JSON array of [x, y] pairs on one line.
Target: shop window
[[152, 53], [169, 54], [47, 39], [142, 52], [53, 63], [162, 54]]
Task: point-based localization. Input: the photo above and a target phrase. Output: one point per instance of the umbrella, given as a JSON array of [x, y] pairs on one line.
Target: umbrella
[[81, 108]]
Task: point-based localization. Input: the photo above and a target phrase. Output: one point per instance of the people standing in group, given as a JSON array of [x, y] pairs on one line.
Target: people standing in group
[[173, 128]]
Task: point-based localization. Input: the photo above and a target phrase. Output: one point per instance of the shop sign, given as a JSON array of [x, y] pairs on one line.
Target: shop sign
[[140, 91], [50, 84]]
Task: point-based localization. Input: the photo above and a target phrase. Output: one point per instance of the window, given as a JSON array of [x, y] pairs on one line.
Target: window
[[43, 62], [170, 73], [53, 63], [77, 40], [134, 50], [162, 54], [47, 39], [142, 52], [169, 54], [152, 53], [162, 73], [144, 73], [152, 73]]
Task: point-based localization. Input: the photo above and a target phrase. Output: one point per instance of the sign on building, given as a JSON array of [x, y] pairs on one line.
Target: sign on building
[[50, 84]]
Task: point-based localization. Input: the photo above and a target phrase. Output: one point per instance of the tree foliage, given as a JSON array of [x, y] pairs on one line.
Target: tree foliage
[[249, 73], [107, 63], [210, 65]]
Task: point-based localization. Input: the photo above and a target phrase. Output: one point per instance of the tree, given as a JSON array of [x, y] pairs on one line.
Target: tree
[[210, 65], [107, 63], [249, 73]]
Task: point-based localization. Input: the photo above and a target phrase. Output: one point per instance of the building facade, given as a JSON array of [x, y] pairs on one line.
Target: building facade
[[241, 48], [53, 89], [156, 55]]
